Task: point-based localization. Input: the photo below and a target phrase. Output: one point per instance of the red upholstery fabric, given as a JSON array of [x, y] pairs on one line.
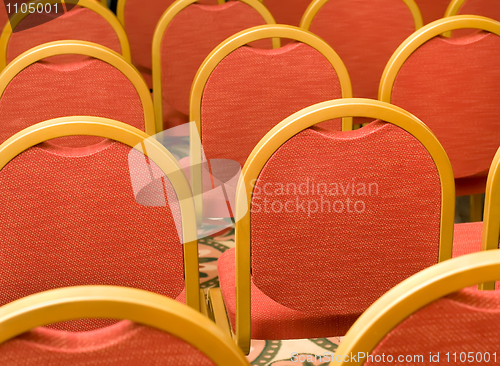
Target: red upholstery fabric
[[432, 9], [465, 321], [70, 217], [467, 238], [252, 90], [46, 90], [471, 185], [124, 343], [364, 34], [370, 226], [79, 23], [485, 8], [140, 24], [287, 11], [457, 97], [190, 38]]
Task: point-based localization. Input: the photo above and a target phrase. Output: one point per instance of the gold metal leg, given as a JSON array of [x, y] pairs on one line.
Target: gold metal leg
[[476, 207]]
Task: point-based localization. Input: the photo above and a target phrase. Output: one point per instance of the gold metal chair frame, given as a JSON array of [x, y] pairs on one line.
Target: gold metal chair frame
[[454, 7], [112, 302], [89, 4], [413, 294], [275, 32], [439, 27], [281, 133], [315, 6], [88, 49], [161, 27], [135, 138]]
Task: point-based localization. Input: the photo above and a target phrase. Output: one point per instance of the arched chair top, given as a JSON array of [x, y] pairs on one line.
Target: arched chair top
[[257, 33], [423, 35], [160, 30], [112, 302], [91, 50], [316, 5], [95, 6], [454, 7], [135, 138], [307, 117], [413, 294]]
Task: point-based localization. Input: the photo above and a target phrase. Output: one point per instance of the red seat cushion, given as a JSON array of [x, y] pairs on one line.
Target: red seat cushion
[[467, 238]]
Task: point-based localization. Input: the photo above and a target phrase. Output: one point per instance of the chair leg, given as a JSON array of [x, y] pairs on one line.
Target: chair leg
[[476, 207], [218, 308]]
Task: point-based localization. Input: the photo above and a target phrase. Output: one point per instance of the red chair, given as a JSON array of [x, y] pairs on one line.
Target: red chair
[[334, 220], [432, 9], [364, 34], [489, 9], [184, 37], [99, 85], [158, 331], [100, 215], [287, 11], [457, 98], [87, 21], [140, 22], [431, 318]]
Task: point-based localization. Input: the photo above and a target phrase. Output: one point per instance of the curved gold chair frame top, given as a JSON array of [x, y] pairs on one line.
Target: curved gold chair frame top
[[454, 7], [161, 27], [95, 6], [314, 7], [413, 294], [112, 302], [135, 138], [417, 39], [88, 49], [354, 107]]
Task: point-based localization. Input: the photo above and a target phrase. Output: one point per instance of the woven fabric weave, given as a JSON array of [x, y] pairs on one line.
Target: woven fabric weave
[[72, 219], [90, 87], [140, 25], [79, 23], [432, 10], [454, 87], [287, 11], [465, 321], [252, 90], [364, 34], [467, 238], [124, 343], [189, 39]]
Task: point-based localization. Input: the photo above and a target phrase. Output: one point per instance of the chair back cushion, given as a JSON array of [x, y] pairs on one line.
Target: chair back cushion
[[461, 326], [252, 90], [287, 11], [364, 34], [124, 343], [453, 85], [432, 10], [90, 87], [71, 216], [339, 218], [485, 8]]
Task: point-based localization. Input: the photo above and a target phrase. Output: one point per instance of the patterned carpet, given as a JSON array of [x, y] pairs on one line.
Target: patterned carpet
[[262, 353]]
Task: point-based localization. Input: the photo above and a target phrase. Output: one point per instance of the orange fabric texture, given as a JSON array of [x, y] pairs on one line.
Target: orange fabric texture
[[465, 321], [190, 38], [467, 238], [124, 343], [72, 218], [287, 11], [349, 220], [79, 23], [364, 34], [252, 90], [140, 25], [485, 8], [432, 9], [86, 88], [454, 87]]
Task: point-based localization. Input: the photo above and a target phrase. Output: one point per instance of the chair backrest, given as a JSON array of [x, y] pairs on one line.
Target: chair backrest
[[485, 8], [86, 21], [33, 91], [432, 10], [261, 87], [343, 207], [185, 36], [457, 95], [374, 28], [431, 314], [117, 213], [140, 22], [287, 11], [157, 330]]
